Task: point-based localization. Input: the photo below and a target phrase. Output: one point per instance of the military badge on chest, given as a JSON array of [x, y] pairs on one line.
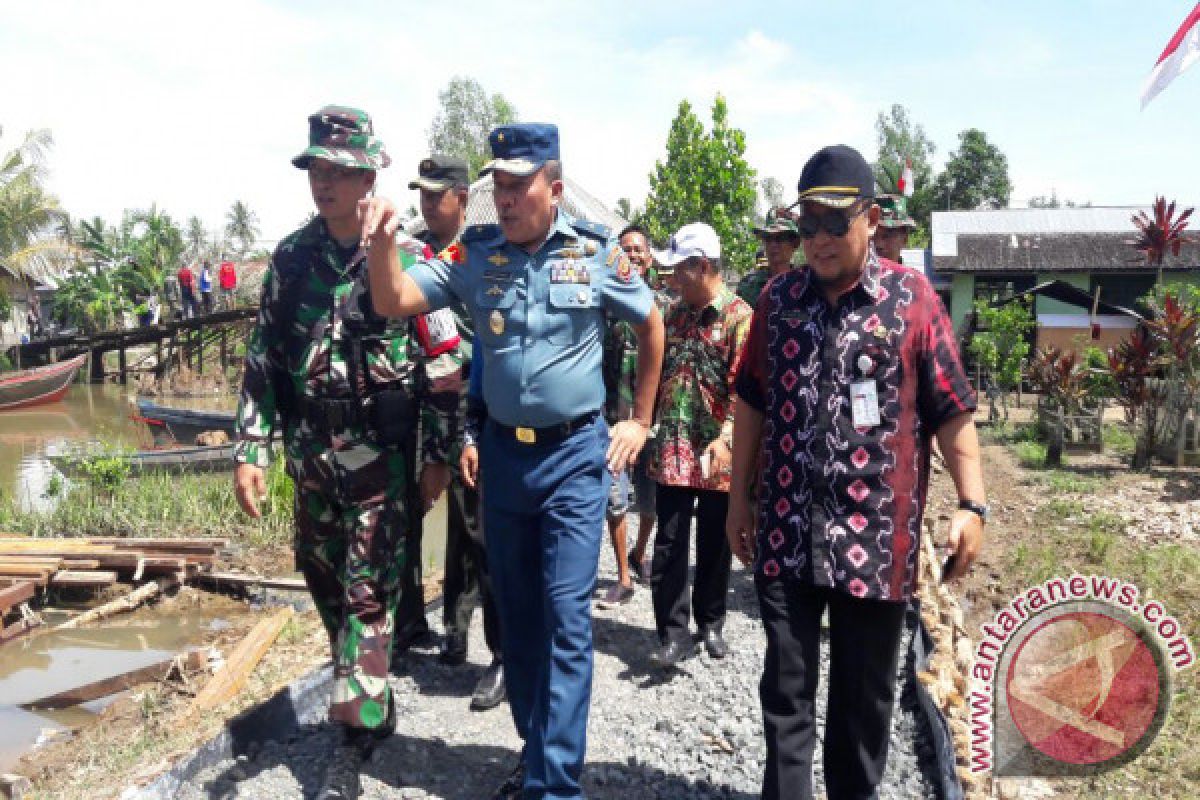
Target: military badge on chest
[[570, 271]]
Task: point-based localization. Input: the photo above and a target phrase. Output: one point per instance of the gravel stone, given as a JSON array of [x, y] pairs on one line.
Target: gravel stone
[[693, 734]]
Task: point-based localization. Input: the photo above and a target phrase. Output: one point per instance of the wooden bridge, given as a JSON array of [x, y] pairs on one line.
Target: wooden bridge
[[183, 338]]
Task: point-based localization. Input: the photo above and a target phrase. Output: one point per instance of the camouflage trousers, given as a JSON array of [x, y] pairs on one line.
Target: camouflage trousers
[[349, 547]]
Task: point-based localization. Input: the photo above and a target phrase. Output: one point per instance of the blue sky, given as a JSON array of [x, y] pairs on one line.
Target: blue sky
[[192, 106]]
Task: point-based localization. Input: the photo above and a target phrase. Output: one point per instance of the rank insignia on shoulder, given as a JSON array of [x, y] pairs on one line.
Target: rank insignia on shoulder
[[613, 255], [498, 259], [454, 254]]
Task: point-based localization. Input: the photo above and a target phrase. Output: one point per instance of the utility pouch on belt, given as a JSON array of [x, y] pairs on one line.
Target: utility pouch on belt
[[392, 417]]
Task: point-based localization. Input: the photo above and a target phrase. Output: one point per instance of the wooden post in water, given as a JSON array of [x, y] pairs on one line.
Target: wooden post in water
[[200, 346], [224, 347], [121, 364], [95, 365]]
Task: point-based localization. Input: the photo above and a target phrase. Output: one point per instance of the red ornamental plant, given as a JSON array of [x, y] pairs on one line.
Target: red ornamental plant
[[1062, 378], [1161, 233]]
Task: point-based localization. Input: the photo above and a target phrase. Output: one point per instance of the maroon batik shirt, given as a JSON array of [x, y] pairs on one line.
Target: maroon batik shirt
[[840, 506]]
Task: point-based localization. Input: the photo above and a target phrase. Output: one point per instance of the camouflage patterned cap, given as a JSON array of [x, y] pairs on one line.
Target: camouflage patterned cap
[[778, 223], [895, 211], [344, 136]]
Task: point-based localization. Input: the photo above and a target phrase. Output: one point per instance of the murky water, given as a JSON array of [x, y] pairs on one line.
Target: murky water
[[54, 662]]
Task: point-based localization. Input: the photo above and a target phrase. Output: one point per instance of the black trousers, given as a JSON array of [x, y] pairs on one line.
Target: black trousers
[[468, 584], [410, 612], [864, 644], [669, 573]]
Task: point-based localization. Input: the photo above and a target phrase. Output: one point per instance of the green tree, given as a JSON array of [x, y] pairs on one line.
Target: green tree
[[976, 175], [705, 178], [1001, 345], [241, 228], [32, 240], [901, 140], [628, 211], [466, 117], [196, 237]]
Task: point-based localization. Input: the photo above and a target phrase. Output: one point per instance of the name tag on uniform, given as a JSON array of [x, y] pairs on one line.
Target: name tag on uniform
[[864, 404], [441, 327]]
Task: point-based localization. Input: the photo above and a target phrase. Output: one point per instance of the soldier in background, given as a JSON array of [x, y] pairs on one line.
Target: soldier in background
[[780, 239], [895, 225], [346, 386], [442, 181]]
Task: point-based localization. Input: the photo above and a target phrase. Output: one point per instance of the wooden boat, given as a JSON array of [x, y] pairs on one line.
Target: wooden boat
[[34, 387], [212, 458], [183, 425]]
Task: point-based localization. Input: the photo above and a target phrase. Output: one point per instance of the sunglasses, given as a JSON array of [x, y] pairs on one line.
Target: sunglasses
[[834, 222]]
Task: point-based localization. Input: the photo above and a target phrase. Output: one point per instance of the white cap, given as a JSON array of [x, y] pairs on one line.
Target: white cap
[[694, 239]]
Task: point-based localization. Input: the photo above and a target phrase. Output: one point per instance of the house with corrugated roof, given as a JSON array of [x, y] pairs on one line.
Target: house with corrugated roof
[[576, 201], [999, 253]]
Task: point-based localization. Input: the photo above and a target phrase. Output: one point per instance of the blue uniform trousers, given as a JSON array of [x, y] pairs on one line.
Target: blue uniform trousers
[[543, 510]]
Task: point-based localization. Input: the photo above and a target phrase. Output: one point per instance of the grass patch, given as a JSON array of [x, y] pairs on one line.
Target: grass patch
[[1030, 455], [1119, 439], [1060, 509], [157, 504], [1064, 482]]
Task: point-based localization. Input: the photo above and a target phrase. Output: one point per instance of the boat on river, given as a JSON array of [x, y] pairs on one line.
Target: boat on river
[[38, 386], [210, 458], [183, 425]]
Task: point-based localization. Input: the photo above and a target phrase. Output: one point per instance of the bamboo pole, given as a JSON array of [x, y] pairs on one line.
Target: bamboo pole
[[121, 605]]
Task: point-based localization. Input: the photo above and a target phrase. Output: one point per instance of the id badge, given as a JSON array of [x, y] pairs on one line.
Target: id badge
[[864, 404]]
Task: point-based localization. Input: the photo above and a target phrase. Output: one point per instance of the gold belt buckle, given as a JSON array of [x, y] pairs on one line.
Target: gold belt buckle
[[526, 435]]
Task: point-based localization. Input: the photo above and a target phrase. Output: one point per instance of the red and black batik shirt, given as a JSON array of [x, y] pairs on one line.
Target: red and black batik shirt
[[840, 506]]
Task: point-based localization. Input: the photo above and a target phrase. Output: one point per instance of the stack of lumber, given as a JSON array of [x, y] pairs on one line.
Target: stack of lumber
[[27, 564]]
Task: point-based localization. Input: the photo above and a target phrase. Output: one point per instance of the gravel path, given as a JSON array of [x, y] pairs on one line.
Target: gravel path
[[696, 733]]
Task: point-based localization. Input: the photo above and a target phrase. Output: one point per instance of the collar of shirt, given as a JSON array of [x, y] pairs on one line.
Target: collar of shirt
[[868, 282], [712, 311]]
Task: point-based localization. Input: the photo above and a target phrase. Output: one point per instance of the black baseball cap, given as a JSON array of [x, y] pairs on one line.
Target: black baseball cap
[[438, 173], [836, 176]]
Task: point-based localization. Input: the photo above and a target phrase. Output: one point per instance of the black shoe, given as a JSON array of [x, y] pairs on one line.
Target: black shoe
[[341, 781], [454, 650], [511, 788], [417, 635], [489, 692], [714, 643], [672, 653]]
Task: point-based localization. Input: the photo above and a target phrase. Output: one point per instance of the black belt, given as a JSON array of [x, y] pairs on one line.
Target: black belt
[[330, 414], [548, 435]]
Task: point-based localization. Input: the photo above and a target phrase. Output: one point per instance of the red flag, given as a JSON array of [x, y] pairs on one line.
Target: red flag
[[905, 184], [1181, 52]]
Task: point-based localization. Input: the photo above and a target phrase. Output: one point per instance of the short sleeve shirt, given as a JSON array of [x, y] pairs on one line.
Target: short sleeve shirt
[[840, 506], [539, 318]]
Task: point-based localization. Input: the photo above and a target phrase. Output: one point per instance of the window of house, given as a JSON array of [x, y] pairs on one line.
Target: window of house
[[1126, 290], [994, 288]]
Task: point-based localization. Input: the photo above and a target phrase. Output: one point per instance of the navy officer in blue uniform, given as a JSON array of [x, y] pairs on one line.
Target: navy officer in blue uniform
[[538, 286]]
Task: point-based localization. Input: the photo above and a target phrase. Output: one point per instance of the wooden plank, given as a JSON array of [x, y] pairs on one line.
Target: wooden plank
[[122, 604], [242, 580], [19, 629], [225, 685], [85, 578], [16, 594], [160, 544], [30, 568], [157, 671]]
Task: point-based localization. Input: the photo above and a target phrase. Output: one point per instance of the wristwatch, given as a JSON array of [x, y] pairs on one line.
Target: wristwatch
[[979, 509]]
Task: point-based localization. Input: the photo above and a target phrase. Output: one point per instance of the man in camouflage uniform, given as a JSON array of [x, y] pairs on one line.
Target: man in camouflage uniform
[[443, 184], [345, 385], [895, 225], [780, 239]]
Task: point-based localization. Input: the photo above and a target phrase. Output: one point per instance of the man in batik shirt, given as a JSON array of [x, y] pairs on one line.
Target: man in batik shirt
[[850, 370], [691, 453]]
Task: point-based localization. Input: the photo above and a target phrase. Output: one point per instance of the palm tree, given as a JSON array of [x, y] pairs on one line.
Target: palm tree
[[31, 240], [1160, 234], [196, 237], [241, 226]]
